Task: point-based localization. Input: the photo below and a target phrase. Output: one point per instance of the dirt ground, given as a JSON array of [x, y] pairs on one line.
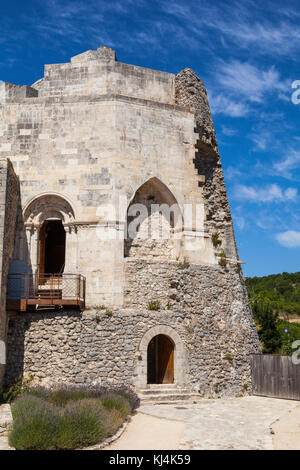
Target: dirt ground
[[236, 423], [287, 431]]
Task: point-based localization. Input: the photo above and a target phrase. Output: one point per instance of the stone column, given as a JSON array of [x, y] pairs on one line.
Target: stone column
[[32, 240], [34, 247], [71, 249]]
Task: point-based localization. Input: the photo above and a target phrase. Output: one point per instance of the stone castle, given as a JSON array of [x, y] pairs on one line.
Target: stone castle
[[118, 257]]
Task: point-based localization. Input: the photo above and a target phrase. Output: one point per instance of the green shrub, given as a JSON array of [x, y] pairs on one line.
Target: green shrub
[[116, 402], [60, 396], [216, 240], [18, 388], [116, 421], [69, 417], [183, 264], [35, 424], [154, 305], [83, 423]]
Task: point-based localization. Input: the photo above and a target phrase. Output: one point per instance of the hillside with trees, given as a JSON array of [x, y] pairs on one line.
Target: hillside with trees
[[282, 291], [274, 300]]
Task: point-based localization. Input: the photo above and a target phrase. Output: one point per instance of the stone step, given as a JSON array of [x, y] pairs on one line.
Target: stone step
[[163, 391], [167, 396]]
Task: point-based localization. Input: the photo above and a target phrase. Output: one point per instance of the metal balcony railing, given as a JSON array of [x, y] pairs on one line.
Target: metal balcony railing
[[45, 290]]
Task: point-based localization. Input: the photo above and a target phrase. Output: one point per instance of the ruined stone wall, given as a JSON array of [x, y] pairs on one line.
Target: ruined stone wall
[[9, 201], [92, 133], [190, 91], [205, 306]]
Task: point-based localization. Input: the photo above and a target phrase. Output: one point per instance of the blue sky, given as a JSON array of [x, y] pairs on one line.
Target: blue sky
[[246, 53]]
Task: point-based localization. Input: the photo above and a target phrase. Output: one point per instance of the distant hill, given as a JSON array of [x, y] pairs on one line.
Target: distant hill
[[281, 290]]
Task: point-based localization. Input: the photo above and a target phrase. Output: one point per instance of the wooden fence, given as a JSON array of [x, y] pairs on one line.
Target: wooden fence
[[275, 376]]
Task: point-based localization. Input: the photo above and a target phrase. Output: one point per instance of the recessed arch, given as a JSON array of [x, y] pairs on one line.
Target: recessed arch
[[180, 356], [159, 184], [160, 360], [153, 222], [48, 206]]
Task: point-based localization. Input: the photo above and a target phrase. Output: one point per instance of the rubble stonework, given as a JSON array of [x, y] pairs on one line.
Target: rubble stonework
[[190, 91], [9, 200], [94, 134], [207, 307]]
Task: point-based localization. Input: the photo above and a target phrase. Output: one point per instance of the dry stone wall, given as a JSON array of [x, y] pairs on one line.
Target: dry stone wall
[[207, 307]]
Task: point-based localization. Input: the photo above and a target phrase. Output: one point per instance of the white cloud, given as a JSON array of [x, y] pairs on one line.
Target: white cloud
[[232, 172], [239, 85], [229, 131], [243, 25], [289, 163], [239, 221], [248, 81], [261, 140], [271, 193], [289, 239], [220, 104]]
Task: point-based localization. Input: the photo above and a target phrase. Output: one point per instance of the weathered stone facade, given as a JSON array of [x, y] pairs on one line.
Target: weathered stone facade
[[9, 201], [206, 307], [89, 142]]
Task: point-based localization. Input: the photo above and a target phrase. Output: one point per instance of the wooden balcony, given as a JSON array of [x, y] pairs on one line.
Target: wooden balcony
[[35, 292]]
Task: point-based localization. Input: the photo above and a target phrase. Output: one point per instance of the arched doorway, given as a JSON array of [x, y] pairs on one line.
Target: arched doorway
[[52, 247], [160, 360]]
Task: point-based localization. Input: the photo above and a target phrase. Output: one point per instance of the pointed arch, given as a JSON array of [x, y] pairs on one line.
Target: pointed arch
[[154, 222], [159, 184]]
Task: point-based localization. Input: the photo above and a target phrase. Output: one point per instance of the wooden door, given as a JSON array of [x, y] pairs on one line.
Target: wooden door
[[160, 360], [165, 356]]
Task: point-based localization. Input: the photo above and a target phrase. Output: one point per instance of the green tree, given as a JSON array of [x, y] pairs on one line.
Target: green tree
[[267, 326]]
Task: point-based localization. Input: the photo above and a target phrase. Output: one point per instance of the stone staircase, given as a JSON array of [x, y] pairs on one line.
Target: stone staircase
[[160, 394]]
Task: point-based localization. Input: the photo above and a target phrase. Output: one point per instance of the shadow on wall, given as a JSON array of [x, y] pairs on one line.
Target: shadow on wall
[[31, 328]]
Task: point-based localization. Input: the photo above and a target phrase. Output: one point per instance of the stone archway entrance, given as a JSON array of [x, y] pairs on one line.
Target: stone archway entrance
[[160, 360], [52, 247], [173, 364]]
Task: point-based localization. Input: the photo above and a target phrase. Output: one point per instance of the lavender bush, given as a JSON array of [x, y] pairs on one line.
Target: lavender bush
[[114, 401], [61, 394], [69, 417], [35, 424], [83, 423]]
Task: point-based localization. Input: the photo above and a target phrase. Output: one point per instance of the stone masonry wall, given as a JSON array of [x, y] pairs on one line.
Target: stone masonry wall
[[207, 307], [9, 200], [190, 91]]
